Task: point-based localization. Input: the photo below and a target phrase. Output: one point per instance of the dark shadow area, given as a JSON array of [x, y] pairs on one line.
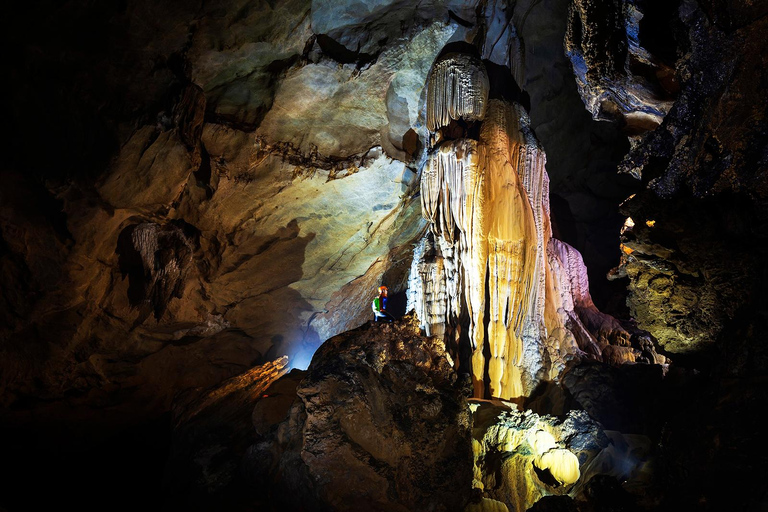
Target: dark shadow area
[[546, 476], [342, 54], [458, 47], [123, 472], [503, 85]]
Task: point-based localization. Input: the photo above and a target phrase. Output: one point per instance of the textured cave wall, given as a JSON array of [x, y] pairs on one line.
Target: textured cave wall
[[694, 252], [380, 422], [226, 182]]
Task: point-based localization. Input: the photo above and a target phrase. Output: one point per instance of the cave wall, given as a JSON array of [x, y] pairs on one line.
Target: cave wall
[[192, 188], [695, 245], [692, 246], [269, 151], [246, 173]]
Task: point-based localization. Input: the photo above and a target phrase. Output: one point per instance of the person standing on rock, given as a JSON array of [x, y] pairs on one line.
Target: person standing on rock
[[379, 306]]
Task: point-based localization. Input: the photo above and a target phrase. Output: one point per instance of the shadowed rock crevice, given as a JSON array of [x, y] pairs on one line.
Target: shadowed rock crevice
[[343, 55]]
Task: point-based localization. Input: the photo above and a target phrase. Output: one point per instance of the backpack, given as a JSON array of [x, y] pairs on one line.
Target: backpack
[[376, 304]]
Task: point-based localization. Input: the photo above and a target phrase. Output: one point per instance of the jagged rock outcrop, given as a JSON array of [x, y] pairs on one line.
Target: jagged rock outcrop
[[694, 243], [582, 153], [380, 423], [619, 79], [690, 245], [522, 457]]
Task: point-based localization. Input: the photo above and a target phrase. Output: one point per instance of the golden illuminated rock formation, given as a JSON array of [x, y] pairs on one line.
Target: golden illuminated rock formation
[[490, 274], [521, 456]]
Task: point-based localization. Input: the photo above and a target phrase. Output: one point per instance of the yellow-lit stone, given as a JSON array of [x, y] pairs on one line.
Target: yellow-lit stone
[[542, 441], [486, 505], [562, 464]]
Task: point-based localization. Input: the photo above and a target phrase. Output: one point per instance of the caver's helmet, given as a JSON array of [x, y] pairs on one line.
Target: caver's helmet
[[382, 289]]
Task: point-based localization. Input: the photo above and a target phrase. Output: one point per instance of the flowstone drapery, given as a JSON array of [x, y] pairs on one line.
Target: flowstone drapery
[[489, 278]]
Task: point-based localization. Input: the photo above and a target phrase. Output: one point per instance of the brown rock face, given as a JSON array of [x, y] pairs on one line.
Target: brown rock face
[[380, 424], [695, 255], [619, 79]]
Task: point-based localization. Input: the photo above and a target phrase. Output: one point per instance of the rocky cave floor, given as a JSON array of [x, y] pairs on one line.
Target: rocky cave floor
[[381, 421]]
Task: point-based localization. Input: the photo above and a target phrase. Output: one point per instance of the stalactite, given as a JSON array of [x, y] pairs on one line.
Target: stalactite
[[427, 292], [457, 89], [156, 260], [482, 218]]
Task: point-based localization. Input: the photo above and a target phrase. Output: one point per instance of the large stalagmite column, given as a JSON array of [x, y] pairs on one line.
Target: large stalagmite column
[[482, 276]]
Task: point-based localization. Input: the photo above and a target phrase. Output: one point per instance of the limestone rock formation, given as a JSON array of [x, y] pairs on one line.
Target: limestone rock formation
[[212, 431], [241, 124], [490, 278], [690, 252], [693, 247], [281, 209], [267, 154], [457, 89], [522, 457], [380, 423], [156, 261]]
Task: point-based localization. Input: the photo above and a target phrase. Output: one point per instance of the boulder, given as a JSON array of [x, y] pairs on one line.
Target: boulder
[[381, 424]]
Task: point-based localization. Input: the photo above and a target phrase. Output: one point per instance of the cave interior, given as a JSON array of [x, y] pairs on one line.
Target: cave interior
[[567, 200]]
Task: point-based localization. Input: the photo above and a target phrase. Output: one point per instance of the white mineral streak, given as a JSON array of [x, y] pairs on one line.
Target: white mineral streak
[[457, 89]]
